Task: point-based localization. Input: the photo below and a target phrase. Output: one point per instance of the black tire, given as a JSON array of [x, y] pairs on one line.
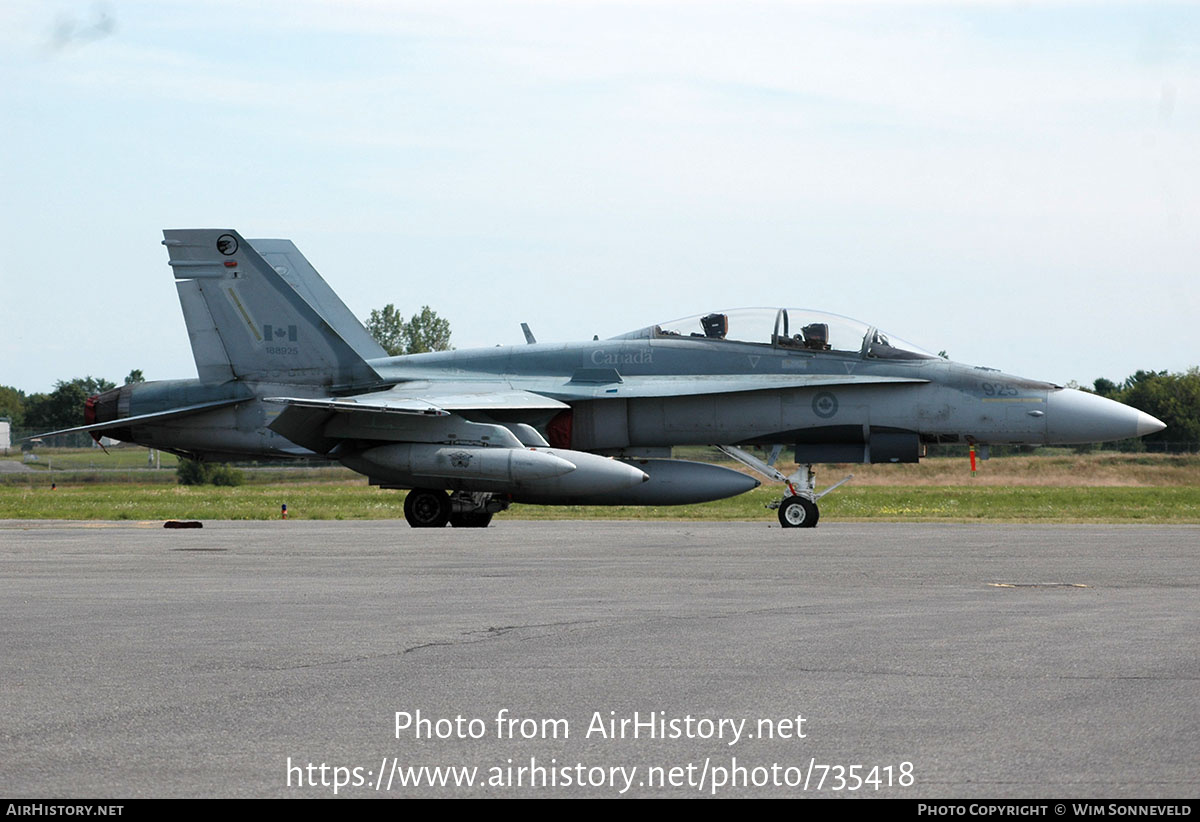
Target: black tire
[[426, 508], [470, 519], [798, 512]]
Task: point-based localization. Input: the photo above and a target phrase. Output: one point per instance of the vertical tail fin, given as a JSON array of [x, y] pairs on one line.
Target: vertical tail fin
[[246, 321], [298, 272]]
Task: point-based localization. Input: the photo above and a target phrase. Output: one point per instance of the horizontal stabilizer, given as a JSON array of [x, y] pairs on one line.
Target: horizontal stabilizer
[[142, 419]]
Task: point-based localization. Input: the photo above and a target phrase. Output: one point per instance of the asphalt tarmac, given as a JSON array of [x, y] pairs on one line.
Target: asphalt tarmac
[[640, 659]]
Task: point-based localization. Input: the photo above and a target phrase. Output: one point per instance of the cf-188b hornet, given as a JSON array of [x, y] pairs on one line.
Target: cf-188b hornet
[[285, 370]]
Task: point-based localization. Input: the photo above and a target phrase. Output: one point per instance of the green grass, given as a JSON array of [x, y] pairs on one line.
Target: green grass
[[136, 501], [357, 500], [1049, 487]]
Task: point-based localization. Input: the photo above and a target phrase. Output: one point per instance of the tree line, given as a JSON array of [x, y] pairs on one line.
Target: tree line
[[1172, 398], [59, 408], [423, 332]]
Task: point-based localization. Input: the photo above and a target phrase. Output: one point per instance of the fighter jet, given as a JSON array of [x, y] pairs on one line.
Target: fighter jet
[[285, 370]]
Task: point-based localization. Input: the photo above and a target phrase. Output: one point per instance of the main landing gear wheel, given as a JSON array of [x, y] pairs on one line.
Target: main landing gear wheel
[[470, 519], [425, 508], [798, 512]]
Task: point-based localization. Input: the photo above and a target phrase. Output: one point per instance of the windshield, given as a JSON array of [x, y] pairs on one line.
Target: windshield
[[753, 325], [795, 328], [818, 331], [886, 347]]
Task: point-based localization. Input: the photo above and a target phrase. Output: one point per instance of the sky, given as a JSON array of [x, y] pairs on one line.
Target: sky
[[1016, 183]]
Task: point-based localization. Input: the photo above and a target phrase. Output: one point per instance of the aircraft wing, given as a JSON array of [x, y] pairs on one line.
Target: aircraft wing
[[419, 411], [601, 383]]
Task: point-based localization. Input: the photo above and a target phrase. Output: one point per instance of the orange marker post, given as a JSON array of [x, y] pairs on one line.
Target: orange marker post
[[283, 511], [972, 460]]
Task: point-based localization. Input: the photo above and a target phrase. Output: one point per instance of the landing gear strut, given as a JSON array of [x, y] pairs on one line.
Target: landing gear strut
[[470, 519], [798, 508]]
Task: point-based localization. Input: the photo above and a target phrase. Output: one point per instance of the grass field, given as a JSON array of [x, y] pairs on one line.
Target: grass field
[[1058, 487], [133, 501]]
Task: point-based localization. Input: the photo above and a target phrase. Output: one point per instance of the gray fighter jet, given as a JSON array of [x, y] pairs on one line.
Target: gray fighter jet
[[285, 370]]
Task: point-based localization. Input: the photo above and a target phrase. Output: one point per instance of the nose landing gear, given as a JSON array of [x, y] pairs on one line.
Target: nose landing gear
[[798, 508], [798, 512]]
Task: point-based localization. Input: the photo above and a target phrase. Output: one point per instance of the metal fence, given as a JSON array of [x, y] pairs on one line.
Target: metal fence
[[1135, 446], [21, 443]]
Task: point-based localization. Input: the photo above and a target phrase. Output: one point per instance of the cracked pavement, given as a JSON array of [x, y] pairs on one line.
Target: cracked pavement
[[138, 661]]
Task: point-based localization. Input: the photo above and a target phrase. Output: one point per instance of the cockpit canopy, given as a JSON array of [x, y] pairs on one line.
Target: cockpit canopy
[[793, 328]]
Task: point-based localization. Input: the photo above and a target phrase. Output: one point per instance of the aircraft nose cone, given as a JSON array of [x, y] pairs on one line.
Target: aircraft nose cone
[[1077, 417], [1147, 424]]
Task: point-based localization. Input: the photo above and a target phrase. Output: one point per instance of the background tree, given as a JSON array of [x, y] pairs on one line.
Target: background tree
[[387, 326], [427, 332], [62, 407], [424, 331], [135, 376], [1172, 398], [1106, 388], [194, 472], [12, 404], [92, 385]]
